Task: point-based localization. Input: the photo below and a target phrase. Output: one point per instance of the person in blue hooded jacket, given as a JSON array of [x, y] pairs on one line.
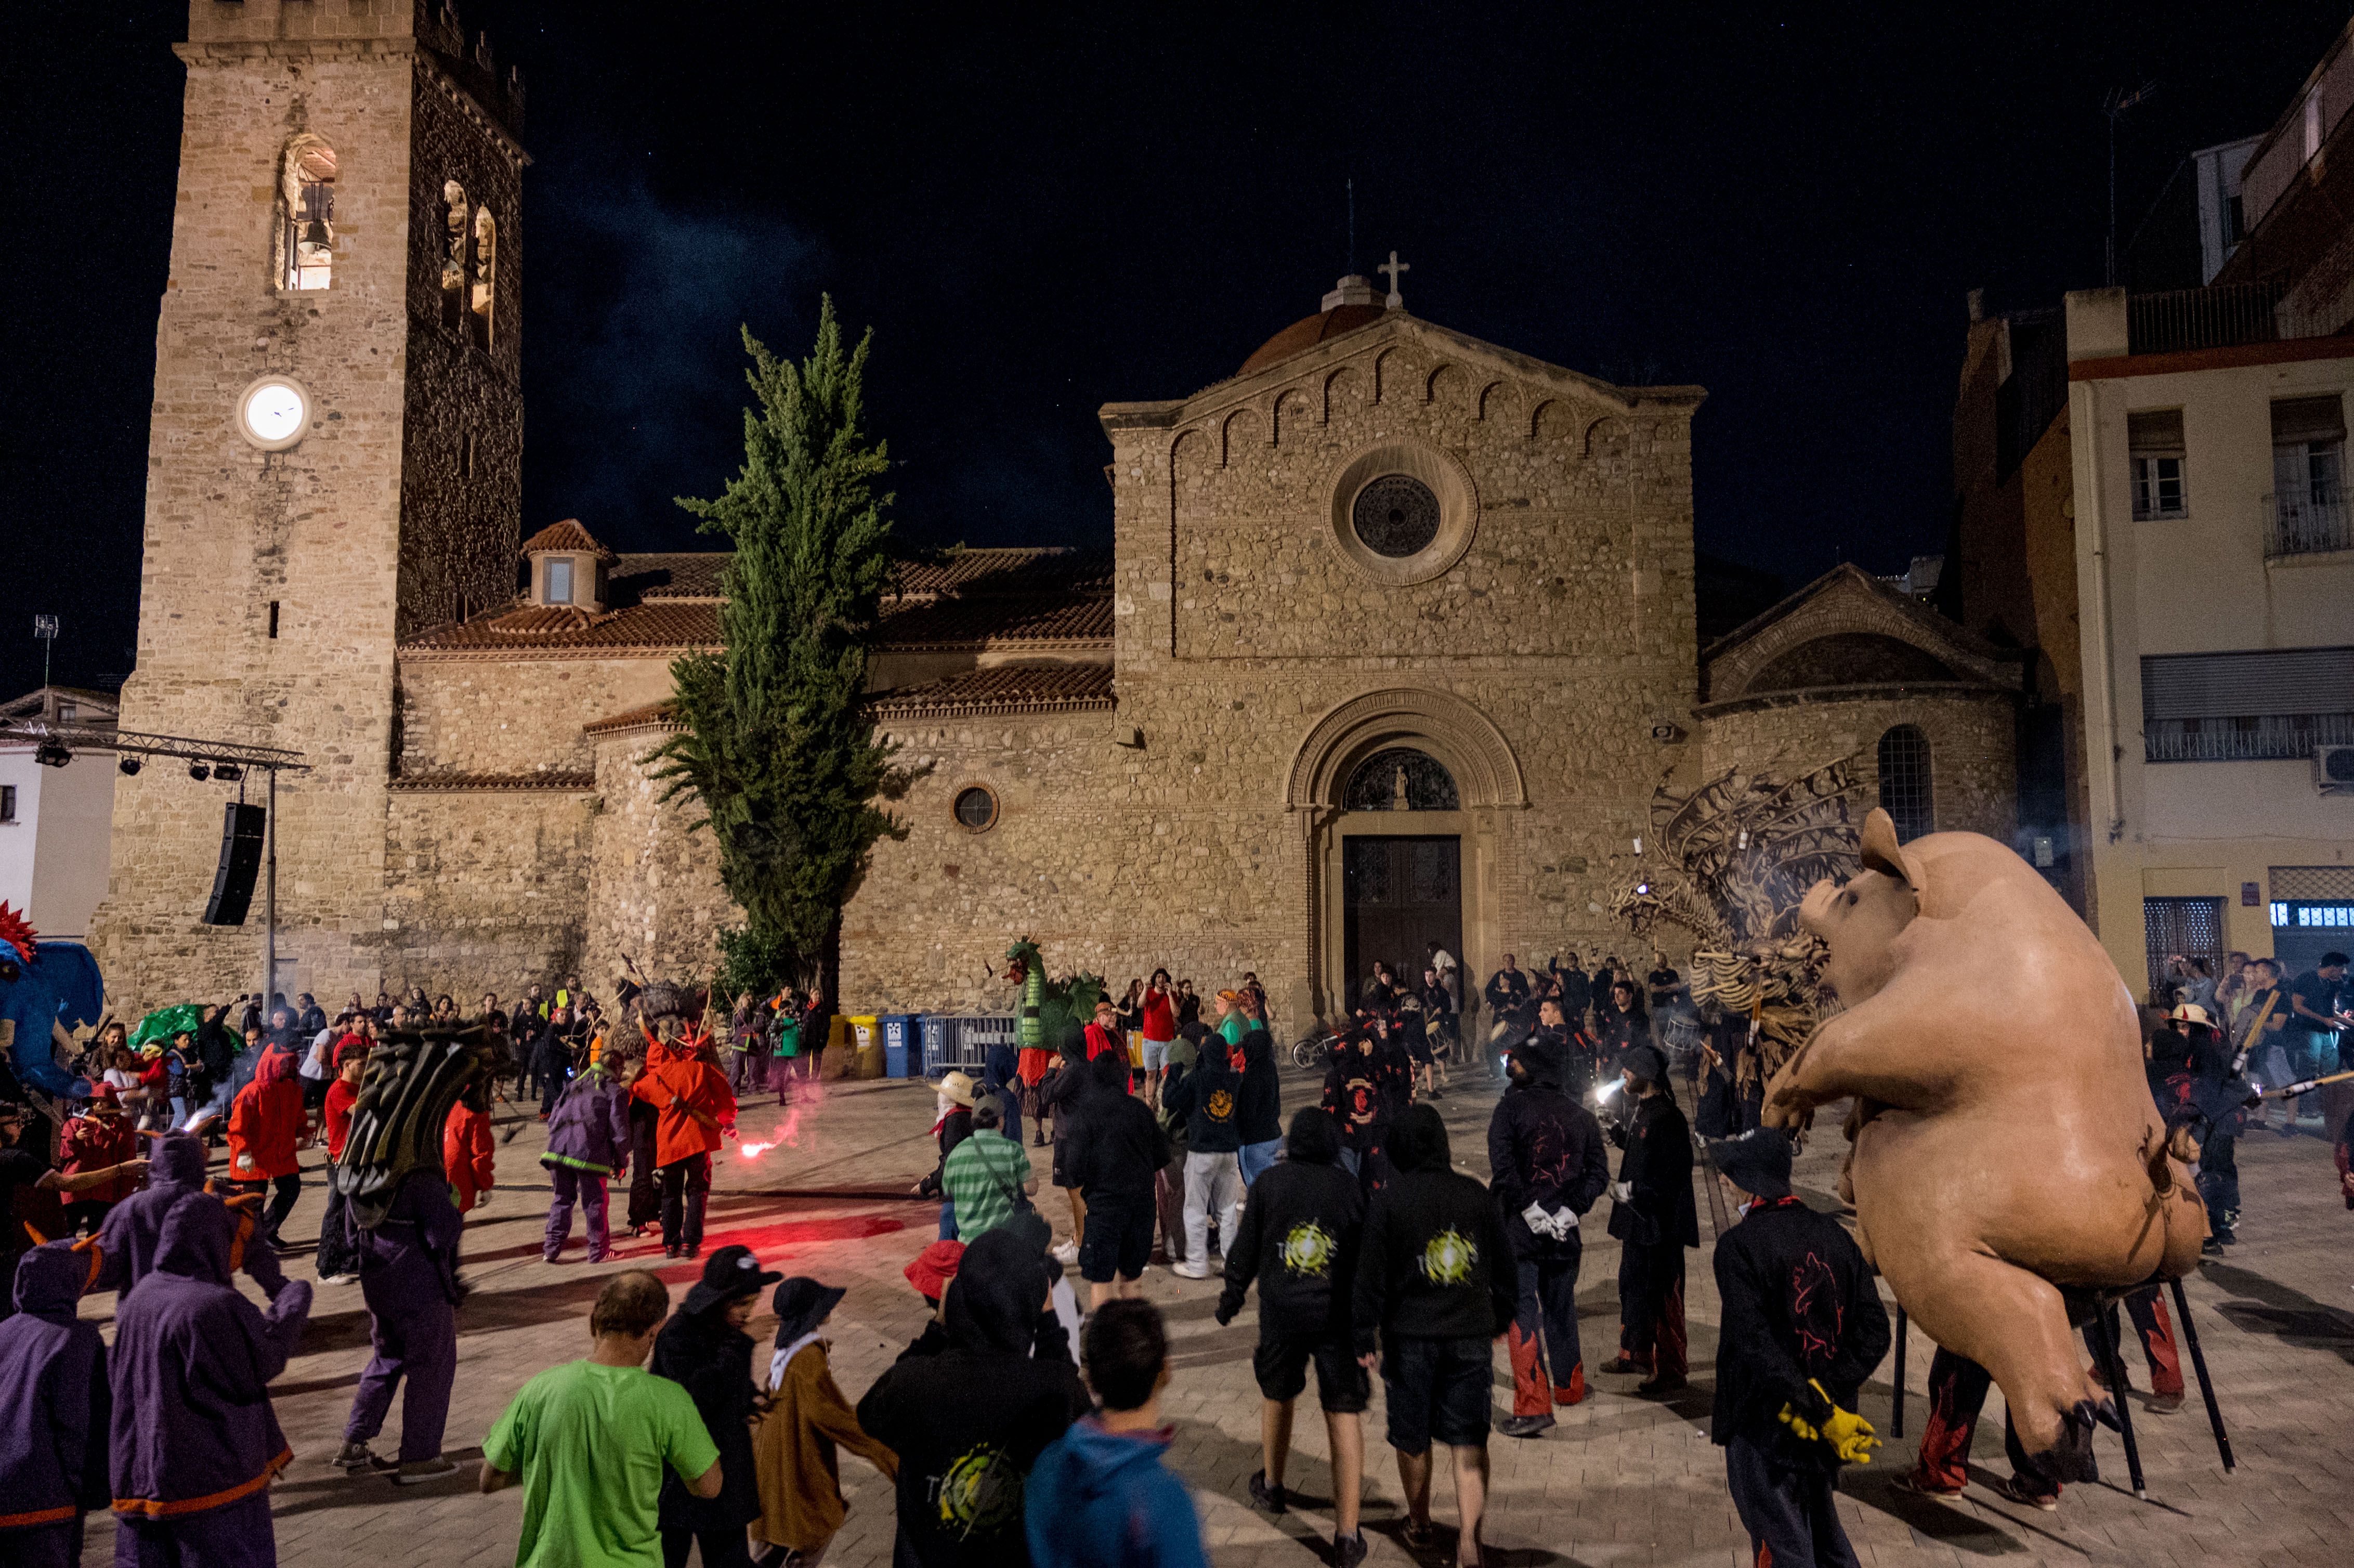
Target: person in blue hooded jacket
[[1100, 1492]]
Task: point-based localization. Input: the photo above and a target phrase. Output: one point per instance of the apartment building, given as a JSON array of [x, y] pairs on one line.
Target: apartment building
[[2150, 500]]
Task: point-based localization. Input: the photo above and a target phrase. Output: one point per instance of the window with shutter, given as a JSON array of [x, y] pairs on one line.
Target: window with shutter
[[2246, 706], [2307, 507], [2155, 452]]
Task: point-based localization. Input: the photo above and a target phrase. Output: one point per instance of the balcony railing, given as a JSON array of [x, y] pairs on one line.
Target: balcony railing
[[2298, 525], [2268, 738], [2219, 317]]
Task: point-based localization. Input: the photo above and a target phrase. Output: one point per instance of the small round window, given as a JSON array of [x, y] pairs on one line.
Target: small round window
[[1396, 515], [976, 810]]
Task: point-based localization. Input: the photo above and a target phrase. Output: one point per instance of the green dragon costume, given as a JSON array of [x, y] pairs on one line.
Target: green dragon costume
[[1051, 1011]]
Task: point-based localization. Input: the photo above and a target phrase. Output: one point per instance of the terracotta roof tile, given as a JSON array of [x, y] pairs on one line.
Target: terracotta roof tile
[[553, 631], [630, 718], [1307, 332], [967, 622], [1024, 688], [568, 535], [567, 781], [1005, 571], [675, 574]]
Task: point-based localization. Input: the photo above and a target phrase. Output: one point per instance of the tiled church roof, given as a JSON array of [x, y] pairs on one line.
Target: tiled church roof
[[1022, 688], [568, 535], [669, 603]]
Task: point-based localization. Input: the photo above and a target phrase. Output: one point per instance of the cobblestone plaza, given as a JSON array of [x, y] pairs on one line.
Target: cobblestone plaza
[[1620, 1481]]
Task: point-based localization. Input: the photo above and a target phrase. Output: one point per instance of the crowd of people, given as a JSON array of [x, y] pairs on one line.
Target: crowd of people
[[1017, 1423]]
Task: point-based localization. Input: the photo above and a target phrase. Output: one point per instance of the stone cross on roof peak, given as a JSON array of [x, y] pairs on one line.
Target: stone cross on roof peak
[[1395, 266]]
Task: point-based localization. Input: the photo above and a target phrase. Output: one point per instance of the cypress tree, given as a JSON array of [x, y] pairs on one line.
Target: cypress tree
[[774, 742]]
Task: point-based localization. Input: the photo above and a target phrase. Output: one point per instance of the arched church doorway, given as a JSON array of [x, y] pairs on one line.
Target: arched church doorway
[[1398, 793], [1401, 890]]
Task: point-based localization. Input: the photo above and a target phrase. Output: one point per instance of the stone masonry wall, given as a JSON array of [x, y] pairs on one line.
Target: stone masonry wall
[[488, 888], [1566, 623], [461, 490], [653, 887], [1971, 744], [516, 717], [229, 530]]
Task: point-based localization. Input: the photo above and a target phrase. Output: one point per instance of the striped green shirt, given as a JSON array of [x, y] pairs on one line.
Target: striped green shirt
[[981, 1176]]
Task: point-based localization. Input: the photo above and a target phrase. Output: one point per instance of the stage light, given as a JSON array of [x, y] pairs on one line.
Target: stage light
[[130, 767], [200, 772], [227, 772], [49, 754]]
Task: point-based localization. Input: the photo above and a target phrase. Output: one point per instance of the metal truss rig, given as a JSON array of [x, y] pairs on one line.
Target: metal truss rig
[[132, 743]]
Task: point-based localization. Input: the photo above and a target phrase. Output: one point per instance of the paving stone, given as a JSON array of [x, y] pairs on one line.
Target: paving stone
[[1619, 1482]]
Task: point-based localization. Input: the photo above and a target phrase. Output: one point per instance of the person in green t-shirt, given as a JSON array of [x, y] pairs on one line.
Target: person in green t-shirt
[[589, 1441]]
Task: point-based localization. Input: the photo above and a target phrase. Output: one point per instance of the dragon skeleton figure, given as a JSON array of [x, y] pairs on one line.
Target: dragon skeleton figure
[[1730, 863]]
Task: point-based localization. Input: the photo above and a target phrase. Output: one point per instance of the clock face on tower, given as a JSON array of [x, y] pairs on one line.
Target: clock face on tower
[[273, 412]]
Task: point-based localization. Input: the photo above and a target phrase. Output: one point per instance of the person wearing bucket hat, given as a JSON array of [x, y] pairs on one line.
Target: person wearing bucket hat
[[1653, 1220], [954, 1099], [704, 1350], [807, 1418], [932, 1269], [1803, 1326]]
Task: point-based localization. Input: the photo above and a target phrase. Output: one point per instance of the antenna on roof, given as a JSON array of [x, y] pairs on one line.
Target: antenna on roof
[[1349, 266], [2114, 105]]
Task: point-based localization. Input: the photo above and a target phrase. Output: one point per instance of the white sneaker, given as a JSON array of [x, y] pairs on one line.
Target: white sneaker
[[341, 1279], [1190, 1270], [1066, 1253]]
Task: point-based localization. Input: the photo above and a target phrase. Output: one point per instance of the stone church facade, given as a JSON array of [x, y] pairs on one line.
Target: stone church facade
[[1394, 639]]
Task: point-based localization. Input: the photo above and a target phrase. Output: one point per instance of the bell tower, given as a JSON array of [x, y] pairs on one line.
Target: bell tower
[[333, 457]]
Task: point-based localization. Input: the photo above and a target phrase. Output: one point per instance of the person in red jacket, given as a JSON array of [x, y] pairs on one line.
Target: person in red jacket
[[338, 1263], [467, 1150], [265, 1127], [695, 1109], [100, 1138]]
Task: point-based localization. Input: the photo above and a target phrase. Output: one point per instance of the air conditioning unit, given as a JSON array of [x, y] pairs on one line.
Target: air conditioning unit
[[2333, 770]]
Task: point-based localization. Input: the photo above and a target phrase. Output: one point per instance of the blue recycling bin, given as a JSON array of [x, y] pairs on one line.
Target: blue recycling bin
[[901, 1044]]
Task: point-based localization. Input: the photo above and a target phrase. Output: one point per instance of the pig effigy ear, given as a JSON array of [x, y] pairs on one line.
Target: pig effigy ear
[[1881, 853]]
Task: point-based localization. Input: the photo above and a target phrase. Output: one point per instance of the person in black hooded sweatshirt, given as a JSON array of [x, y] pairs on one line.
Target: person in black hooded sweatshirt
[[1654, 1220], [1299, 1238], [969, 1422], [1547, 1168], [704, 1350], [1435, 1286]]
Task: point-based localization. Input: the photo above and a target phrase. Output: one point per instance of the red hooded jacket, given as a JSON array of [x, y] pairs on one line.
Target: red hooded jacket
[[468, 1155], [693, 1101], [266, 1122]]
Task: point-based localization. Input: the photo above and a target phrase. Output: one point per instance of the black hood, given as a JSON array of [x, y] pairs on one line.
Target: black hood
[[994, 1302]]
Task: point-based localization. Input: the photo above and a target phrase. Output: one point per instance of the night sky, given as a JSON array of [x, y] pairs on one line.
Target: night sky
[[1046, 209]]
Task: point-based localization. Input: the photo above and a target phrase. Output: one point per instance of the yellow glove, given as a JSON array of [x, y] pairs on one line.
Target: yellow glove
[[1849, 1435], [1797, 1423]]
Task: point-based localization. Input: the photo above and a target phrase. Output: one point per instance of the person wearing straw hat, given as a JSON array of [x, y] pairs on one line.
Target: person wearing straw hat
[[1803, 1326], [704, 1349], [954, 1098], [804, 1419]]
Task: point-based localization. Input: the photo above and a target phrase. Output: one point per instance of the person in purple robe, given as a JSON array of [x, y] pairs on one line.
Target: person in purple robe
[[587, 1145], [408, 1276], [194, 1442], [53, 1387], [127, 1242]]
